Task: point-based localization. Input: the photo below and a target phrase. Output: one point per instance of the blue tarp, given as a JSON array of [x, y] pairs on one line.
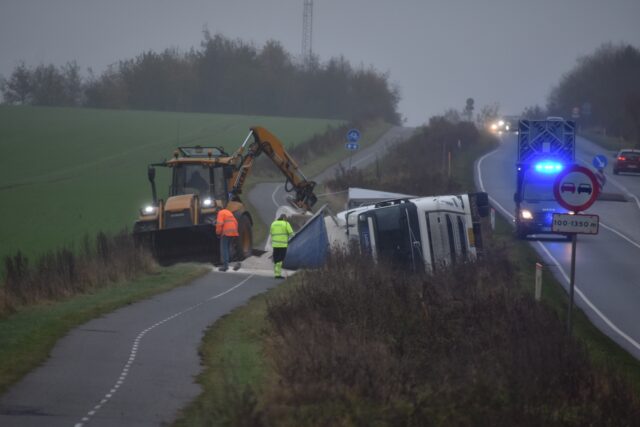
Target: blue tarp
[[309, 246]]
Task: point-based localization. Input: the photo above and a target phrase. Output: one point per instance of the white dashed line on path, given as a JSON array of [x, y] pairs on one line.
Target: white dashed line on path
[[134, 350]]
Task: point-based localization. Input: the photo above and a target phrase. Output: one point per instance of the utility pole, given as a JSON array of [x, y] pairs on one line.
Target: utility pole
[[307, 30]]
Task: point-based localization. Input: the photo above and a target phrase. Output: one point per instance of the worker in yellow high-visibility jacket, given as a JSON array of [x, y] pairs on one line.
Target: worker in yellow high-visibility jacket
[[280, 232]]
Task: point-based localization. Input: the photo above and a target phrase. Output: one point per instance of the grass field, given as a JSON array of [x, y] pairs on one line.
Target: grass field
[[65, 173]]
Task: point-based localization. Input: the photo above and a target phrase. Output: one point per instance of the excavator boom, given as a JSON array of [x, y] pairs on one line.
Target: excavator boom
[[267, 143]]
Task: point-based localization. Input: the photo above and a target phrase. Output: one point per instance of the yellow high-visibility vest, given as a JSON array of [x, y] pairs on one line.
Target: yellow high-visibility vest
[[280, 232]]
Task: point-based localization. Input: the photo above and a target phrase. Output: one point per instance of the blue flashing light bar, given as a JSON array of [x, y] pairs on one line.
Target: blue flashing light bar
[[548, 167]]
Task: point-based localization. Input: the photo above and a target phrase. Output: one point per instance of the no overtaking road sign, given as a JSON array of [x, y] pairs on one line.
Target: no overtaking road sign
[[576, 188]]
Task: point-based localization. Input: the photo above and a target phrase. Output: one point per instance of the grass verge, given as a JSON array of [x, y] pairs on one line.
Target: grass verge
[[28, 335], [608, 142], [603, 351], [235, 368]]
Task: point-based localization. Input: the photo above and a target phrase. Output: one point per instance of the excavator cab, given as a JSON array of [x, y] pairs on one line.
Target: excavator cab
[[182, 227]]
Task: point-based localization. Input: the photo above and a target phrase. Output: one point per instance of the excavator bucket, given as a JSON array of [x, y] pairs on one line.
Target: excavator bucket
[[195, 243]]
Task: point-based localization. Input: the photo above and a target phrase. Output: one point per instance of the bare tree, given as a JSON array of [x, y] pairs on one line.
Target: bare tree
[[487, 113]]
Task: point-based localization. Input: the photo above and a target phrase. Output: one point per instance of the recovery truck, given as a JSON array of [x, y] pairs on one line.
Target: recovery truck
[[424, 233], [545, 148], [204, 180]]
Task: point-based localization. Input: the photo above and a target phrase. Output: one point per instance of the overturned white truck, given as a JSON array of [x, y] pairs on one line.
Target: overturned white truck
[[425, 233]]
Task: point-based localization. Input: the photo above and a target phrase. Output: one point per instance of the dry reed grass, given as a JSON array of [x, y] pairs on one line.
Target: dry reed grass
[[65, 272]]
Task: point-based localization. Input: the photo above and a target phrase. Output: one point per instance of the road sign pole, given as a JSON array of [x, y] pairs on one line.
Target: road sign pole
[[572, 281]]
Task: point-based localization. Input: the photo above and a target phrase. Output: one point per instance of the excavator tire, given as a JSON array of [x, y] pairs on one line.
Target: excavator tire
[[244, 243]]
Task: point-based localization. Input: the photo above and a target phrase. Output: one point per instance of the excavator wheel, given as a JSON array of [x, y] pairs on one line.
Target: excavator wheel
[[244, 243]]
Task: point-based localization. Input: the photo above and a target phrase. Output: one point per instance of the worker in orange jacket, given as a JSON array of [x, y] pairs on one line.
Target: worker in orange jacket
[[227, 229]]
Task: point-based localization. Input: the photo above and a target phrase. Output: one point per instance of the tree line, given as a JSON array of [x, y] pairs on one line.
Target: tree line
[[602, 90], [222, 76]]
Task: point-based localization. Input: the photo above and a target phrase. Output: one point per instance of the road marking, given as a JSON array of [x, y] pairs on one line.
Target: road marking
[[362, 159], [132, 355], [604, 318], [273, 196]]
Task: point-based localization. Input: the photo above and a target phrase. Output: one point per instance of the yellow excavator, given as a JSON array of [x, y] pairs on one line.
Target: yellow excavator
[[203, 181]]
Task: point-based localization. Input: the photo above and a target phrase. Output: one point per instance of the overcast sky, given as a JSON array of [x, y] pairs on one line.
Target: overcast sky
[[439, 52]]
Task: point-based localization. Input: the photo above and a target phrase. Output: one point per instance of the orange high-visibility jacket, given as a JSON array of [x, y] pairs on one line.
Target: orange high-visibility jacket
[[226, 224]]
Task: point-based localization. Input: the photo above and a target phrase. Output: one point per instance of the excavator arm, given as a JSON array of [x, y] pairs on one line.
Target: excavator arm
[[267, 143]]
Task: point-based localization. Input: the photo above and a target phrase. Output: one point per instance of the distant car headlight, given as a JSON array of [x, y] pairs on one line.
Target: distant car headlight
[[526, 214], [494, 127], [507, 127], [207, 202], [149, 210]]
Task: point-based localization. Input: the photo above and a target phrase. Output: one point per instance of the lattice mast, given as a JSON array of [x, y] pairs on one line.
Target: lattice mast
[[307, 29]]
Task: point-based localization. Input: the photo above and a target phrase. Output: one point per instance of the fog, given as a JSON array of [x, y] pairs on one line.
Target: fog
[[438, 53]]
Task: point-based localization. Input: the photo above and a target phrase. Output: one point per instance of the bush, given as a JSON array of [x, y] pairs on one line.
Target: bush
[[360, 345], [62, 273]]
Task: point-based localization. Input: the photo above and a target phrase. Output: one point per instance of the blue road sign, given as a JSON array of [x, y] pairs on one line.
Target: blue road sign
[[600, 161], [353, 135], [352, 146]]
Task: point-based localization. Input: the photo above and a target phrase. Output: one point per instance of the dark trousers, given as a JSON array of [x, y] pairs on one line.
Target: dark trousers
[[279, 254], [225, 249]]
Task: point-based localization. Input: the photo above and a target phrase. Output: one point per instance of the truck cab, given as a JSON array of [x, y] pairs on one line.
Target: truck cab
[[425, 233]]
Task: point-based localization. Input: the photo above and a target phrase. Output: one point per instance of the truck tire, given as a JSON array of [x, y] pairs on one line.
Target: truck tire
[[520, 233]]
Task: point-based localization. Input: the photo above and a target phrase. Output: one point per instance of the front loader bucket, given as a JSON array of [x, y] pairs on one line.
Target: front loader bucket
[[195, 243]]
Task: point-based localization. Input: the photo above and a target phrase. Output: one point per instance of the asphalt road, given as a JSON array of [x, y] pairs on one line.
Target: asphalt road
[[267, 197], [607, 274], [133, 367]]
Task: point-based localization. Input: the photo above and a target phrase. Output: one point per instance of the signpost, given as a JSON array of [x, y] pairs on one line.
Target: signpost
[[353, 136], [600, 162], [576, 189]]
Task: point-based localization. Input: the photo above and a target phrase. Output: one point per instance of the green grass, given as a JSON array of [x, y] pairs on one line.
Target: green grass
[[66, 172], [28, 335], [608, 142]]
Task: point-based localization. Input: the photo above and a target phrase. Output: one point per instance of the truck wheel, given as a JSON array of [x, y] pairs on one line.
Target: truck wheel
[[244, 243], [521, 234]]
